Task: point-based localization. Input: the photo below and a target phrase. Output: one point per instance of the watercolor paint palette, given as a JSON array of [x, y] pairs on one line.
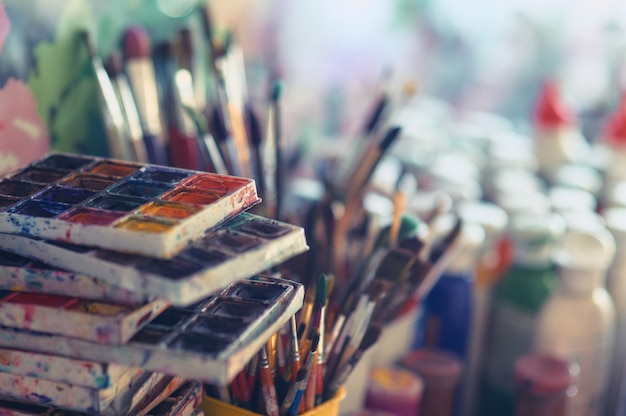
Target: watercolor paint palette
[[242, 246], [68, 396], [209, 341], [22, 274], [66, 370], [143, 209], [106, 323], [141, 398]]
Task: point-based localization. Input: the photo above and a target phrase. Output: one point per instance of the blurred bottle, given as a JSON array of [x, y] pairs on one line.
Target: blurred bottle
[[616, 285], [577, 323], [394, 391], [558, 139], [543, 385], [447, 313], [518, 298], [441, 372], [492, 263]]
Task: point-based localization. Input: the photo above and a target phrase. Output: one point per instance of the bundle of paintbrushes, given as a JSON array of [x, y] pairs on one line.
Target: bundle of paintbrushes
[[184, 103], [307, 362], [124, 286]]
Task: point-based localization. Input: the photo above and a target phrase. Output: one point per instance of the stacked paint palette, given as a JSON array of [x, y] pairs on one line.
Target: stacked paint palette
[[125, 287]]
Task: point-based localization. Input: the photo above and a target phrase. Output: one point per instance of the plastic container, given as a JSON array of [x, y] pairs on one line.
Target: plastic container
[[215, 407], [493, 220], [517, 301], [616, 285], [394, 390], [577, 323], [441, 373], [543, 385]]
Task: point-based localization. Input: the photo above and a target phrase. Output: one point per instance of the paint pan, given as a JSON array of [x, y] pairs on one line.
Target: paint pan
[[245, 245], [106, 323], [135, 208], [208, 341], [183, 401], [61, 369]]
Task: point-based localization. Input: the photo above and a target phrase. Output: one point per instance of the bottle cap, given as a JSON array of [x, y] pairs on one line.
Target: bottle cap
[[543, 375], [549, 111], [439, 369], [586, 250], [566, 199], [616, 127], [578, 176], [530, 203], [616, 194], [517, 181], [394, 389], [535, 237], [583, 258]]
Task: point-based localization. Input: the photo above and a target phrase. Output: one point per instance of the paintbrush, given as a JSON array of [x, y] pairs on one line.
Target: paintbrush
[[387, 310], [118, 143], [399, 206], [355, 324], [372, 334], [369, 162], [301, 388], [321, 294], [298, 385], [254, 132], [360, 146], [183, 138], [115, 69], [274, 148], [268, 388], [376, 292], [140, 71], [222, 138], [440, 257], [210, 156]]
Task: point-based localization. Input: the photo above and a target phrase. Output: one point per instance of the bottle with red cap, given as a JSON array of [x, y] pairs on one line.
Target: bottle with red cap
[[543, 385], [558, 139]]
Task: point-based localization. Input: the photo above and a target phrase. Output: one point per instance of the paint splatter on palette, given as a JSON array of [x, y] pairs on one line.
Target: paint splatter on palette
[[22, 274], [106, 323], [142, 209], [67, 396], [66, 370], [209, 341], [142, 397], [240, 247]]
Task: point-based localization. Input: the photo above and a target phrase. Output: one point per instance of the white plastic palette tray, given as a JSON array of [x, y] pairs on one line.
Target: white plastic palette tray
[[210, 341], [241, 247], [127, 207]]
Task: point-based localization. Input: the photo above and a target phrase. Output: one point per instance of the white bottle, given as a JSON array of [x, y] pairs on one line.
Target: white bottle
[[578, 322], [615, 219]]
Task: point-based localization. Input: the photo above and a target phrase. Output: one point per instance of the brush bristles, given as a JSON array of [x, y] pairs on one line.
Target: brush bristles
[[321, 290], [377, 289], [277, 90], [371, 336]]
